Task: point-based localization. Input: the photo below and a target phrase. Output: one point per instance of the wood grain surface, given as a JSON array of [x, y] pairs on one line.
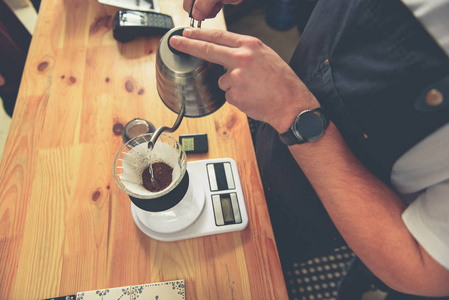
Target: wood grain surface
[[65, 226]]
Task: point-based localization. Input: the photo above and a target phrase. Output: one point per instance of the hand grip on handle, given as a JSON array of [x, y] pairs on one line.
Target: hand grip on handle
[[192, 20]]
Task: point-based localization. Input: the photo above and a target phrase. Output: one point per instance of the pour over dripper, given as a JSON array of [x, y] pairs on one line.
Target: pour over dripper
[[132, 159], [170, 209]]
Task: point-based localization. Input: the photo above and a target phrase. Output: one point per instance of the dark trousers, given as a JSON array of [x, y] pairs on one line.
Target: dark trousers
[[359, 279]]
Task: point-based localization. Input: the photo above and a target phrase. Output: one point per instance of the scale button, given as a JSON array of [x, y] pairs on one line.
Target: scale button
[[229, 177], [219, 220], [212, 178], [235, 208]]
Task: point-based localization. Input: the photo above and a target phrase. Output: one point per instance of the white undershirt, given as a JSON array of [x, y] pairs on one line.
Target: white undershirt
[[422, 173]]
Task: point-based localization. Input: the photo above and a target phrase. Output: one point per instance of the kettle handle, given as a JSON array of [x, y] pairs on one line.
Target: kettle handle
[[192, 20]]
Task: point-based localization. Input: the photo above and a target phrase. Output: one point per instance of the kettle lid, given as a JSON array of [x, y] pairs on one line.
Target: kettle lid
[[175, 61]]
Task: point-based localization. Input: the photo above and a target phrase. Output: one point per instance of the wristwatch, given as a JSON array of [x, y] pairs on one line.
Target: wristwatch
[[308, 126]]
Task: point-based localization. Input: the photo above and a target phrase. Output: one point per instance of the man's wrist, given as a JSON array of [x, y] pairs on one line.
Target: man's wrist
[[284, 124], [287, 117]]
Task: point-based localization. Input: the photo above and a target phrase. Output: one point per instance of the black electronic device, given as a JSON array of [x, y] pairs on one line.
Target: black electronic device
[[194, 143], [130, 24]]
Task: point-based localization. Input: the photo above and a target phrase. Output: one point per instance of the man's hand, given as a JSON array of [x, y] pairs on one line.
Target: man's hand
[[206, 9], [257, 81]]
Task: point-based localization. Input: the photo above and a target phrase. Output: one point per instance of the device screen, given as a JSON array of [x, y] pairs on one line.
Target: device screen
[[227, 209]]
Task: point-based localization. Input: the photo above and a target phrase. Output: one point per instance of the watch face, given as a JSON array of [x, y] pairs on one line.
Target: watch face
[[310, 125]]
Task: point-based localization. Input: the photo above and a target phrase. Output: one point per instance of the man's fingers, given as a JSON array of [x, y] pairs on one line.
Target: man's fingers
[[219, 37], [224, 83], [215, 10], [204, 50], [206, 9], [187, 5]]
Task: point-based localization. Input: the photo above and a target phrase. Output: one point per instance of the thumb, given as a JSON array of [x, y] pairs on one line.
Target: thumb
[[206, 9]]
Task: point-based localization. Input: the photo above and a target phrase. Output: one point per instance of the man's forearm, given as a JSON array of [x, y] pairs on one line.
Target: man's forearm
[[368, 215]]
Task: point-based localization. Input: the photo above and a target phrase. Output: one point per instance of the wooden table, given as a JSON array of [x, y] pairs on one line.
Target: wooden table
[[65, 226]]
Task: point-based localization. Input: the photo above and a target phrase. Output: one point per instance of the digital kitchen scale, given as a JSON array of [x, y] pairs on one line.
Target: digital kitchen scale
[[218, 199]]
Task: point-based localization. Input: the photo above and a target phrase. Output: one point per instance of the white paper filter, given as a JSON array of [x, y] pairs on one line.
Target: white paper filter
[[136, 161]]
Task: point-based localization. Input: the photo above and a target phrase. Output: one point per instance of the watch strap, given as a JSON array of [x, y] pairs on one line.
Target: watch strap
[[289, 138]]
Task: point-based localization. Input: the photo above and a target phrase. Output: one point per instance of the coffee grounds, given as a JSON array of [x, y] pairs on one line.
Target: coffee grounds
[[162, 177]]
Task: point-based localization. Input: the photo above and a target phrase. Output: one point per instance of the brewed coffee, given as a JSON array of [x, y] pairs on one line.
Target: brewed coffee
[[162, 177]]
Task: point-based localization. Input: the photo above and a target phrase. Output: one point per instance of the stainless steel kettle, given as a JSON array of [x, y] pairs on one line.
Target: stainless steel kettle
[[185, 80]]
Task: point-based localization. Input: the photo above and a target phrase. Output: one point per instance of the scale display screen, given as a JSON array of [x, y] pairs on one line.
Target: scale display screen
[[226, 206], [226, 209]]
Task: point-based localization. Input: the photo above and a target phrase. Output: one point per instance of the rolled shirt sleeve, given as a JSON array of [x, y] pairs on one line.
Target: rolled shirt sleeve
[[427, 219], [421, 177]]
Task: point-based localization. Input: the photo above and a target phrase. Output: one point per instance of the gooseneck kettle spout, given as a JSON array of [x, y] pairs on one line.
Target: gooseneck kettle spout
[[161, 129]]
